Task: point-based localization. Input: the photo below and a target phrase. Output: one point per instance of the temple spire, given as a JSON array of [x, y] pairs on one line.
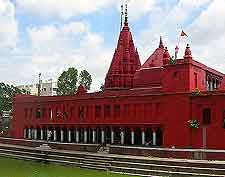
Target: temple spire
[[161, 43], [126, 16], [125, 60], [121, 19]]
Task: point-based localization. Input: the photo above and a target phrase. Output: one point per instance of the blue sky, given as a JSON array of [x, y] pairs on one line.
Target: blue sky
[[48, 37]]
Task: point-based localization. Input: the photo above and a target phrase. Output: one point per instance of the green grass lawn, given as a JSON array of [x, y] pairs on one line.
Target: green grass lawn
[[20, 168]]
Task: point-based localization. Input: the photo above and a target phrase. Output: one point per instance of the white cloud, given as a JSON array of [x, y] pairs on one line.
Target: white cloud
[[62, 9], [65, 9], [206, 32], [138, 8], [208, 35], [8, 23], [54, 49]]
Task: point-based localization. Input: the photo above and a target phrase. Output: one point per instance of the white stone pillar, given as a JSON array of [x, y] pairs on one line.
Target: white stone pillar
[[154, 138], [211, 86], [24, 133], [94, 136], [62, 136], [215, 86], [29, 133], [69, 136], [77, 135], [122, 136], [54, 135], [112, 136], [35, 134], [143, 137], [42, 135], [132, 137], [48, 135], [103, 136], [85, 135]]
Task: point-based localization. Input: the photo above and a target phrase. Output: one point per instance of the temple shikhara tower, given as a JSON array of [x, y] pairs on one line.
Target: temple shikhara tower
[[125, 61], [163, 103]]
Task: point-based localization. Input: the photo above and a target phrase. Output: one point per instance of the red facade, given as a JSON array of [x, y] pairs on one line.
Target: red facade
[[148, 105]]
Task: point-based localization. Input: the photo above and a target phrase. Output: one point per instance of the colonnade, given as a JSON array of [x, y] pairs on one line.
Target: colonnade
[[124, 136], [212, 83]]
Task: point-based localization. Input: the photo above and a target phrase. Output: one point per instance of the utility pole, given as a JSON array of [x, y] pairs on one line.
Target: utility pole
[[39, 84]]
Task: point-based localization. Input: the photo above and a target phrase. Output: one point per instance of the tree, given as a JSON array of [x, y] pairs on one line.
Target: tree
[[85, 79], [7, 93], [68, 80], [102, 87]]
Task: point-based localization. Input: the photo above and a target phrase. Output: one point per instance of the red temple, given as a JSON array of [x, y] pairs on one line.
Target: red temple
[[164, 102]]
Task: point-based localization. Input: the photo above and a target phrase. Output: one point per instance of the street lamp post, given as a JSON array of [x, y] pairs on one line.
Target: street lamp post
[[39, 84]]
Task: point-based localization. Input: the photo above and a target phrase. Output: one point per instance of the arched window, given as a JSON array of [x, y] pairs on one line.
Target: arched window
[[81, 112], [98, 111], [206, 116], [38, 113], [117, 111], [26, 112], [107, 111]]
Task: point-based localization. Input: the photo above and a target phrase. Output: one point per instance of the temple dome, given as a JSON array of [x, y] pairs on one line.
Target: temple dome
[[156, 59]]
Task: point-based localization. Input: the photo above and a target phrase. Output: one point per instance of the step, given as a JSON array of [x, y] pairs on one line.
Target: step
[[121, 164], [159, 172], [174, 162], [15, 156], [169, 168]]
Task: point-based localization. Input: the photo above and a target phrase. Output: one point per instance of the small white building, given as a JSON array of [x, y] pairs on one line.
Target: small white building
[[48, 88]]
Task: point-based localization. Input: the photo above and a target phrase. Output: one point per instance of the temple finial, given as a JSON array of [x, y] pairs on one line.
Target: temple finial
[[126, 15], [161, 43], [121, 20]]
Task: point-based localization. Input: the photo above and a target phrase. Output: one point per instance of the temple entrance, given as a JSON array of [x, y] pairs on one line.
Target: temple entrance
[[73, 135], [38, 133], [127, 136], [137, 136], [108, 135], [65, 135], [98, 135], [81, 130], [58, 134], [51, 135], [44, 133], [159, 137], [149, 137]]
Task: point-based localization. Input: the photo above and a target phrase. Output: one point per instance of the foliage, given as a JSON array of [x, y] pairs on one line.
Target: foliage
[[172, 61], [68, 80], [102, 88], [7, 92], [85, 79], [193, 123], [196, 92]]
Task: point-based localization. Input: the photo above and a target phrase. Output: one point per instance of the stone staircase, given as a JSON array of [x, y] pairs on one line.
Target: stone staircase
[[132, 165]]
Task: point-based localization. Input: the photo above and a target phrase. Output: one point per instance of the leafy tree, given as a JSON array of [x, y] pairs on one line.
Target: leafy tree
[[85, 79], [7, 93], [68, 80], [102, 88]]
